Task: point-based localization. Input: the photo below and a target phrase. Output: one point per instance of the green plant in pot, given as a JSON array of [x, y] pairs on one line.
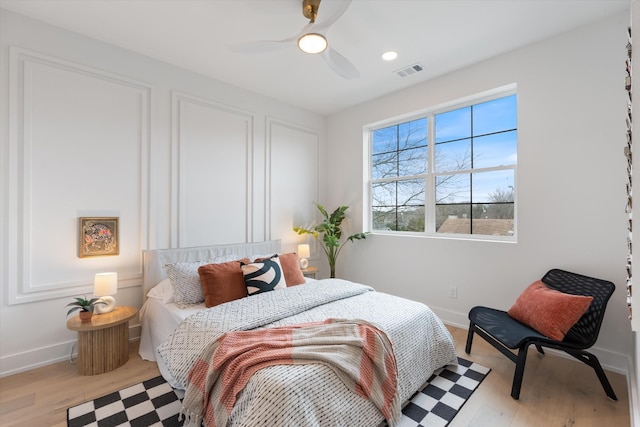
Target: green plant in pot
[[329, 231], [85, 306]]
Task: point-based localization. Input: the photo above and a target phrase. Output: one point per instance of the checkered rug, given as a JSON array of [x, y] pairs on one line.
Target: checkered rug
[[156, 403], [445, 393]]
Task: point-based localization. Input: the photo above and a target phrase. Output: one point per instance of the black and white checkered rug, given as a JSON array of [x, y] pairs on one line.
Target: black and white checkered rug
[[156, 403], [443, 396]]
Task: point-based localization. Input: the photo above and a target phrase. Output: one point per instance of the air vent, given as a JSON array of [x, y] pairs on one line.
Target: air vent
[[411, 69]]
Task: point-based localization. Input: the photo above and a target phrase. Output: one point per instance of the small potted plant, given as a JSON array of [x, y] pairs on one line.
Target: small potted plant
[[85, 306]]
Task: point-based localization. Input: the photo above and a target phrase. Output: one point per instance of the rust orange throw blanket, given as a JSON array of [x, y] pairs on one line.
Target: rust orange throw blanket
[[358, 352]]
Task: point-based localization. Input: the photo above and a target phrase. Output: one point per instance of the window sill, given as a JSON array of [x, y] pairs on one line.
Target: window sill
[[446, 236]]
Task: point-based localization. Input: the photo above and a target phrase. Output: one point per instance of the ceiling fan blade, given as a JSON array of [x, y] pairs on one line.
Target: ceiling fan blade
[[265, 46], [341, 65], [329, 12]]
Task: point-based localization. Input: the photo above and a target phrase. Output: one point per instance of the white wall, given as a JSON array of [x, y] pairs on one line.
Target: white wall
[[89, 129], [570, 183]]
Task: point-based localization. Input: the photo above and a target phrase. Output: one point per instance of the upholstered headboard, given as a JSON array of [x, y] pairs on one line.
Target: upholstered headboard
[[155, 260]]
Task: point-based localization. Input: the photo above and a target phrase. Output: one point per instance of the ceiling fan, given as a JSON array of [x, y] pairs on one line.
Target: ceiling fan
[[314, 32]]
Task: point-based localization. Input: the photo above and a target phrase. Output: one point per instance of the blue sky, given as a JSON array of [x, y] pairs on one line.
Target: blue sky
[[489, 125]]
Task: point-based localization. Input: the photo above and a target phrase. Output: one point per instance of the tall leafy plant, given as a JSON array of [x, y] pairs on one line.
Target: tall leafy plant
[[329, 231]]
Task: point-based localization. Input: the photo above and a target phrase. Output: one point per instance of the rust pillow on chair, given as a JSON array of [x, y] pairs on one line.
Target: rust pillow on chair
[[550, 312], [222, 282]]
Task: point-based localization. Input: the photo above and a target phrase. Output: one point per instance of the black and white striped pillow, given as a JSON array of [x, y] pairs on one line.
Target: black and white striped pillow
[[263, 276]]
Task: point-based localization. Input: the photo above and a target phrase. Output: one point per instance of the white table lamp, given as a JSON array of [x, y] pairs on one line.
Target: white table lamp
[[105, 285], [303, 254]]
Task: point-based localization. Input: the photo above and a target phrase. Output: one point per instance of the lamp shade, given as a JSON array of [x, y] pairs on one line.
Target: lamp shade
[[105, 285], [303, 254], [303, 251]]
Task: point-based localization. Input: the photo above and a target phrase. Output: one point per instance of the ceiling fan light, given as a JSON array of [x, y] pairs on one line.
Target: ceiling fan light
[[312, 43]]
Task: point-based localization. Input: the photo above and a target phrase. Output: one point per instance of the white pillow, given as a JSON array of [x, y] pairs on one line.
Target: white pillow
[[162, 291], [186, 280]]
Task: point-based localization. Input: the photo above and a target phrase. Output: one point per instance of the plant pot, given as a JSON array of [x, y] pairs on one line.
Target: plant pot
[[85, 316]]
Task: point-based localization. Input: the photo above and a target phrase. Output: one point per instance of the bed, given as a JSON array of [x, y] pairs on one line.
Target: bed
[[283, 395]]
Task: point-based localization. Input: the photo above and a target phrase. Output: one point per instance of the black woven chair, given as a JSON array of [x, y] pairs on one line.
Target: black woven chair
[[506, 333]]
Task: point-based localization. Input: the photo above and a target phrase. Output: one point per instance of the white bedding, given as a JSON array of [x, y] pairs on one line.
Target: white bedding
[[420, 340], [421, 344], [158, 321]]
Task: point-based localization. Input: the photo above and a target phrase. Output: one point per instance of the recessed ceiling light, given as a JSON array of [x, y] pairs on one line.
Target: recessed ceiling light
[[389, 55]]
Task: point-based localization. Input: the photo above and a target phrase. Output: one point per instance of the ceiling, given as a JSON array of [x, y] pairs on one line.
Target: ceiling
[[441, 35]]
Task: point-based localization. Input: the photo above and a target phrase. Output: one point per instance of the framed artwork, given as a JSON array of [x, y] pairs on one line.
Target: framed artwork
[[98, 236]]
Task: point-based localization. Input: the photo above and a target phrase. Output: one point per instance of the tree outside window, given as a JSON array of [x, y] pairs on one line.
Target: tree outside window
[[457, 178]]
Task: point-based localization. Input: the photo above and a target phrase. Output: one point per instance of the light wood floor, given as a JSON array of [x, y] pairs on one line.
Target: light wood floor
[[555, 392]]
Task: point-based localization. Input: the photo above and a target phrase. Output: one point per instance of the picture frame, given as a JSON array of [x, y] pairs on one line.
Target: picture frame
[[98, 236]]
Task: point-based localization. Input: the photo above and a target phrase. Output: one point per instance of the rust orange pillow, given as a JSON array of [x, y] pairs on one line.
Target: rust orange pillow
[[550, 312], [222, 282], [290, 268]]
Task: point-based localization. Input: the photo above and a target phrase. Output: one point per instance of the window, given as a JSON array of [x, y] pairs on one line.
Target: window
[[447, 172]]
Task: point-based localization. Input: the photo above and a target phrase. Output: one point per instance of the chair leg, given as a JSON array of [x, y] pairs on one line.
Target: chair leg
[[519, 372], [606, 385], [592, 360], [467, 348]]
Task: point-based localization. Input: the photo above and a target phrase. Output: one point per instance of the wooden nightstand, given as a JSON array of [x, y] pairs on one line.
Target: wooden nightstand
[[103, 343], [310, 272]]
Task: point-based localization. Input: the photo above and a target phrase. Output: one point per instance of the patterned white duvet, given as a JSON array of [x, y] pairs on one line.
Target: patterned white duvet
[[312, 395]]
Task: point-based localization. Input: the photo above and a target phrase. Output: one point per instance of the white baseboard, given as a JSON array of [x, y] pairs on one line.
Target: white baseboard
[[42, 356], [453, 318]]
